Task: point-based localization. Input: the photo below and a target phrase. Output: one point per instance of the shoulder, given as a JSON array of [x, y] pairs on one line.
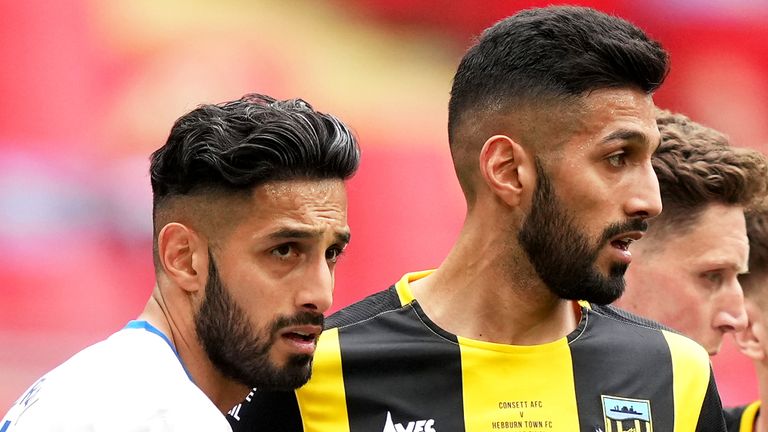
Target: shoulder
[[640, 343], [369, 307], [127, 379], [620, 327]]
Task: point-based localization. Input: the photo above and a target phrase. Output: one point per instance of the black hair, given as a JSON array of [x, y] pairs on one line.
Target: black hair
[[555, 52], [238, 145]]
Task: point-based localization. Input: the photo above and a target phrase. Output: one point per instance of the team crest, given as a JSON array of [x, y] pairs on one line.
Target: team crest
[[626, 415]]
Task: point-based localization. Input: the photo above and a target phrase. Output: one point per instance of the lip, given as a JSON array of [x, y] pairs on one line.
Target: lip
[[634, 235], [301, 339], [622, 251]]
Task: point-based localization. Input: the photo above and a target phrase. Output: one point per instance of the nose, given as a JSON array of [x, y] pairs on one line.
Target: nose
[[730, 315], [645, 199], [316, 287]]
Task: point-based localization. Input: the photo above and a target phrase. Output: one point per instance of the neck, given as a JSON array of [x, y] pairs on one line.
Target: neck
[[178, 326], [482, 280]]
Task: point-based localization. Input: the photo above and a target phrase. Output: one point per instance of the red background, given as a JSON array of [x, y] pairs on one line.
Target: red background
[[89, 88]]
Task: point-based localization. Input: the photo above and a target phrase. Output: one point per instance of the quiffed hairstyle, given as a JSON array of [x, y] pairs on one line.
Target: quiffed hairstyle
[[229, 149], [237, 145], [555, 52], [755, 282], [696, 167]]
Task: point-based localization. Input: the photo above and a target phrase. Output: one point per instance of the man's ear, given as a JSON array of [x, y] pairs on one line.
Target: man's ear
[[184, 256], [751, 339], [507, 168]]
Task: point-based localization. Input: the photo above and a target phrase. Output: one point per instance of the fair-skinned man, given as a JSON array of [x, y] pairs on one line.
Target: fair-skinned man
[[551, 128], [685, 272], [753, 340], [249, 211]]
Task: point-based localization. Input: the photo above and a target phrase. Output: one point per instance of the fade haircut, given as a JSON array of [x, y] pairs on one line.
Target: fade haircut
[[697, 167], [547, 55], [228, 149], [755, 283]]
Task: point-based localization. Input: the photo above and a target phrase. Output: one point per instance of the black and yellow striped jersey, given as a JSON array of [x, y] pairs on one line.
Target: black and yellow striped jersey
[[383, 366], [742, 418]]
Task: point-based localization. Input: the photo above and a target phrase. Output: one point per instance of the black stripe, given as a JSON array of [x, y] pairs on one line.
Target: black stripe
[[395, 363], [268, 411], [612, 359]]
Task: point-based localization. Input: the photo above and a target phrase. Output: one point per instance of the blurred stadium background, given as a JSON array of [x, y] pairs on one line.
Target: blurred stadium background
[[89, 88]]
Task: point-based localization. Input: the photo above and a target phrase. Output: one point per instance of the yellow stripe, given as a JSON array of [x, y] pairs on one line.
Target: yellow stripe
[[500, 394], [322, 401], [403, 288], [749, 416], [690, 370]]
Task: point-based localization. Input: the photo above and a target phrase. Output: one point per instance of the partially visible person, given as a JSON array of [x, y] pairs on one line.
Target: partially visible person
[[551, 127], [753, 341], [250, 217], [685, 271]]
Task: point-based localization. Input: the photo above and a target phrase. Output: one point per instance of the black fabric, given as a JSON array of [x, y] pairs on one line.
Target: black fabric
[[266, 411], [628, 317], [605, 363], [368, 307], [733, 417], [401, 372], [711, 418]]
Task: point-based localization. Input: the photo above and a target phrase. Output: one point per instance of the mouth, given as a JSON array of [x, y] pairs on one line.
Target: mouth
[[302, 338], [623, 240]]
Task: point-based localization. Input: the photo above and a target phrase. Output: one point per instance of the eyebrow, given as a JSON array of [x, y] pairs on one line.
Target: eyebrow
[[630, 135], [293, 233]]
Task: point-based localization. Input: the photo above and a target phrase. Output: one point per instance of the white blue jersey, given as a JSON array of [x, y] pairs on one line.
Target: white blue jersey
[[132, 381]]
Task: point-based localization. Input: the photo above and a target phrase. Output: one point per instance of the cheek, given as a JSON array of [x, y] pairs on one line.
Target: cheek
[[685, 307]]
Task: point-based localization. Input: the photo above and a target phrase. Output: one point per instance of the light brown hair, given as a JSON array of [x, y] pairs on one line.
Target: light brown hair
[[697, 167]]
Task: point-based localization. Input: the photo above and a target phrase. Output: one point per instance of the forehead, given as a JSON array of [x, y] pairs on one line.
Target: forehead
[[717, 237], [317, 205], [611, 114]]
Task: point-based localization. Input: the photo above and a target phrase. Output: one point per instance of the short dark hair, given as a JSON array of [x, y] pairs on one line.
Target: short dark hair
[[226, 150], [237, 145], [755, 283], [554, 52], [697, 167]]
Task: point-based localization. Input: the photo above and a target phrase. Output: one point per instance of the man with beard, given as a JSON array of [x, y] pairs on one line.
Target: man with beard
[[551, 128], [249, 211]]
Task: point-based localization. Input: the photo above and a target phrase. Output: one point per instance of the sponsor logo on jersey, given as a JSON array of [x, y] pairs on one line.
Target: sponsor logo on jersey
[[626, 415], [410, 426]]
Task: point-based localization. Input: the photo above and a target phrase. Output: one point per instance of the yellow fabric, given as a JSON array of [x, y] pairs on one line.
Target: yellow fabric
[[749, 416], [691, 379], [499, 393], [322, 401], [403, 288]]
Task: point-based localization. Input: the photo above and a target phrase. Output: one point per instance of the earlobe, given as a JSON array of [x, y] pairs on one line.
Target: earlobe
[[505, 167], [181, 253]]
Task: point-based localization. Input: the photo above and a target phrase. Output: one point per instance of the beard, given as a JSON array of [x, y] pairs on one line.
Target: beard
[[563, 256], [236, 351]]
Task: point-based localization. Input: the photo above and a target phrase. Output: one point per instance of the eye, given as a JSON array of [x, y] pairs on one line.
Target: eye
[[333, 253], [617, 160], [715, 277], [282, 251]]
